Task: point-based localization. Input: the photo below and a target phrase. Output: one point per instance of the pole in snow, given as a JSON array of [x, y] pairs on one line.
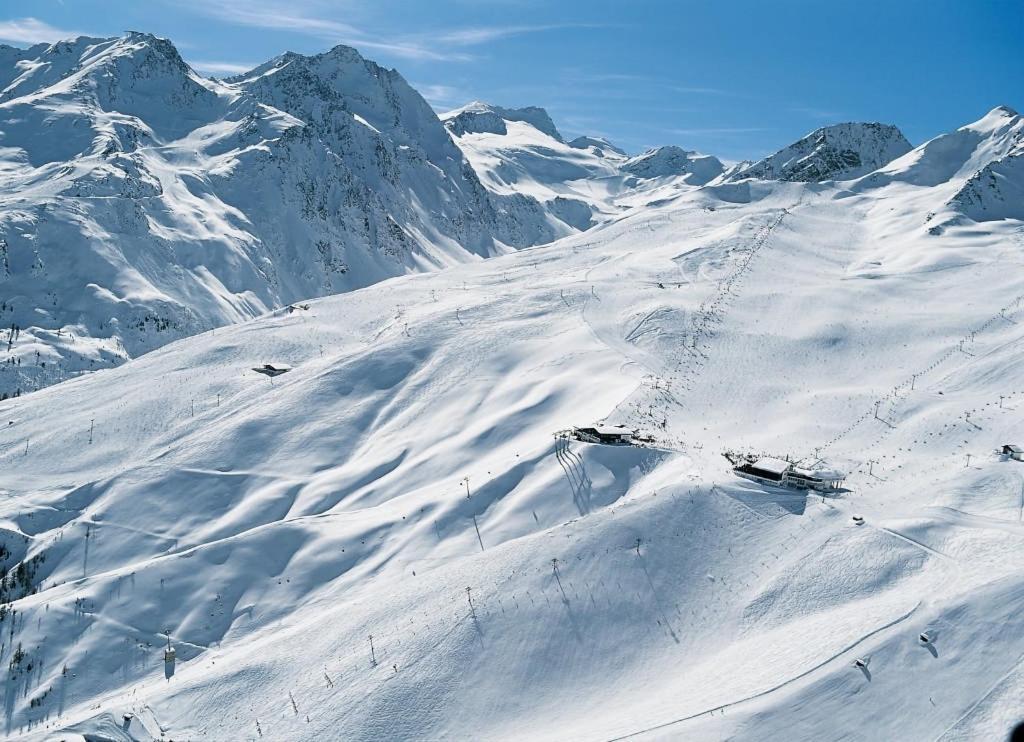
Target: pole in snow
[[465, 481], [373, 654], [92, 425], [968, 461]]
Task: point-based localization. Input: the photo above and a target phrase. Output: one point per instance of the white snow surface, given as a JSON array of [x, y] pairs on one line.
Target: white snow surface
[[972, 174], [583, 182], [141, 202], [402, 482]]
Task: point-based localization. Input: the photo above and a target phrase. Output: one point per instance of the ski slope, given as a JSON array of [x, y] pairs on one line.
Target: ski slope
[[403, 482]]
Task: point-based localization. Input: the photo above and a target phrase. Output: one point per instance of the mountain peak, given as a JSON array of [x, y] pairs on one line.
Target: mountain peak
[[671, 160], [585, 142], [127, 73], [836, 152], [484, 118]]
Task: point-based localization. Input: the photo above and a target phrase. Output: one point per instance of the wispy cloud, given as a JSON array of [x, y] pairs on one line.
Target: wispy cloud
[[295, 18], [32, 31], [640, 84], [220, 68], [310, 18], [486, 34], [441, 97]]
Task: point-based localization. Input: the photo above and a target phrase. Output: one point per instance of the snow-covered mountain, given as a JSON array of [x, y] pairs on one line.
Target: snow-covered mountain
[[975, 172], [481, 118], [582, 182], [387, 542], [838, 152], [670, 161], [140, 202], [358, 516]]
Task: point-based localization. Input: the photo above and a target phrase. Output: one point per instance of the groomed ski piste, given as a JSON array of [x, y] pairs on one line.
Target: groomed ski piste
[[388, 542]]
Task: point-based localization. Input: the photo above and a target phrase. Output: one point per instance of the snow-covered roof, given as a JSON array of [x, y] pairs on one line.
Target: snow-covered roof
[[775, 466], [608, 429], [826, 475], [613, 430]]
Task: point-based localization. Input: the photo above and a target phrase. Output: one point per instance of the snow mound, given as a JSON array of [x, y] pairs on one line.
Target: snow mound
[[838, 152], [671, 161]]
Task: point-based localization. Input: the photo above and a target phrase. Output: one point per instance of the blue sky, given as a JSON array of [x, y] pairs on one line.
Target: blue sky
[[737, 79]]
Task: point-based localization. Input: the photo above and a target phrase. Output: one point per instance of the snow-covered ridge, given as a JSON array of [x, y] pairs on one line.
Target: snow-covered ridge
[[521, 151], [838, 152], [599, 143], [480, 118], [141, 202], [670, 161], [974, 172]]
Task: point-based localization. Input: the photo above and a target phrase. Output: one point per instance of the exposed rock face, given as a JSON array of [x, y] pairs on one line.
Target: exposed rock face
[[481, 118], [839, 152], [141, 202]]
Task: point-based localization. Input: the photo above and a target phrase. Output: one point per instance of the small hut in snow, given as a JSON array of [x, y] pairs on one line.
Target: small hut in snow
[[1013, 451], [273, 369]]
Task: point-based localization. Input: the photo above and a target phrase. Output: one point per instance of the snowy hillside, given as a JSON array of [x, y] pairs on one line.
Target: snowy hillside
[[582, 182], [838, 152], [140, 202], [975, 172], [388, 541]]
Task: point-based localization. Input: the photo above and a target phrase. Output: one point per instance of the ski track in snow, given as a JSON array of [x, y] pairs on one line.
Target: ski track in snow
[[393, 540]]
